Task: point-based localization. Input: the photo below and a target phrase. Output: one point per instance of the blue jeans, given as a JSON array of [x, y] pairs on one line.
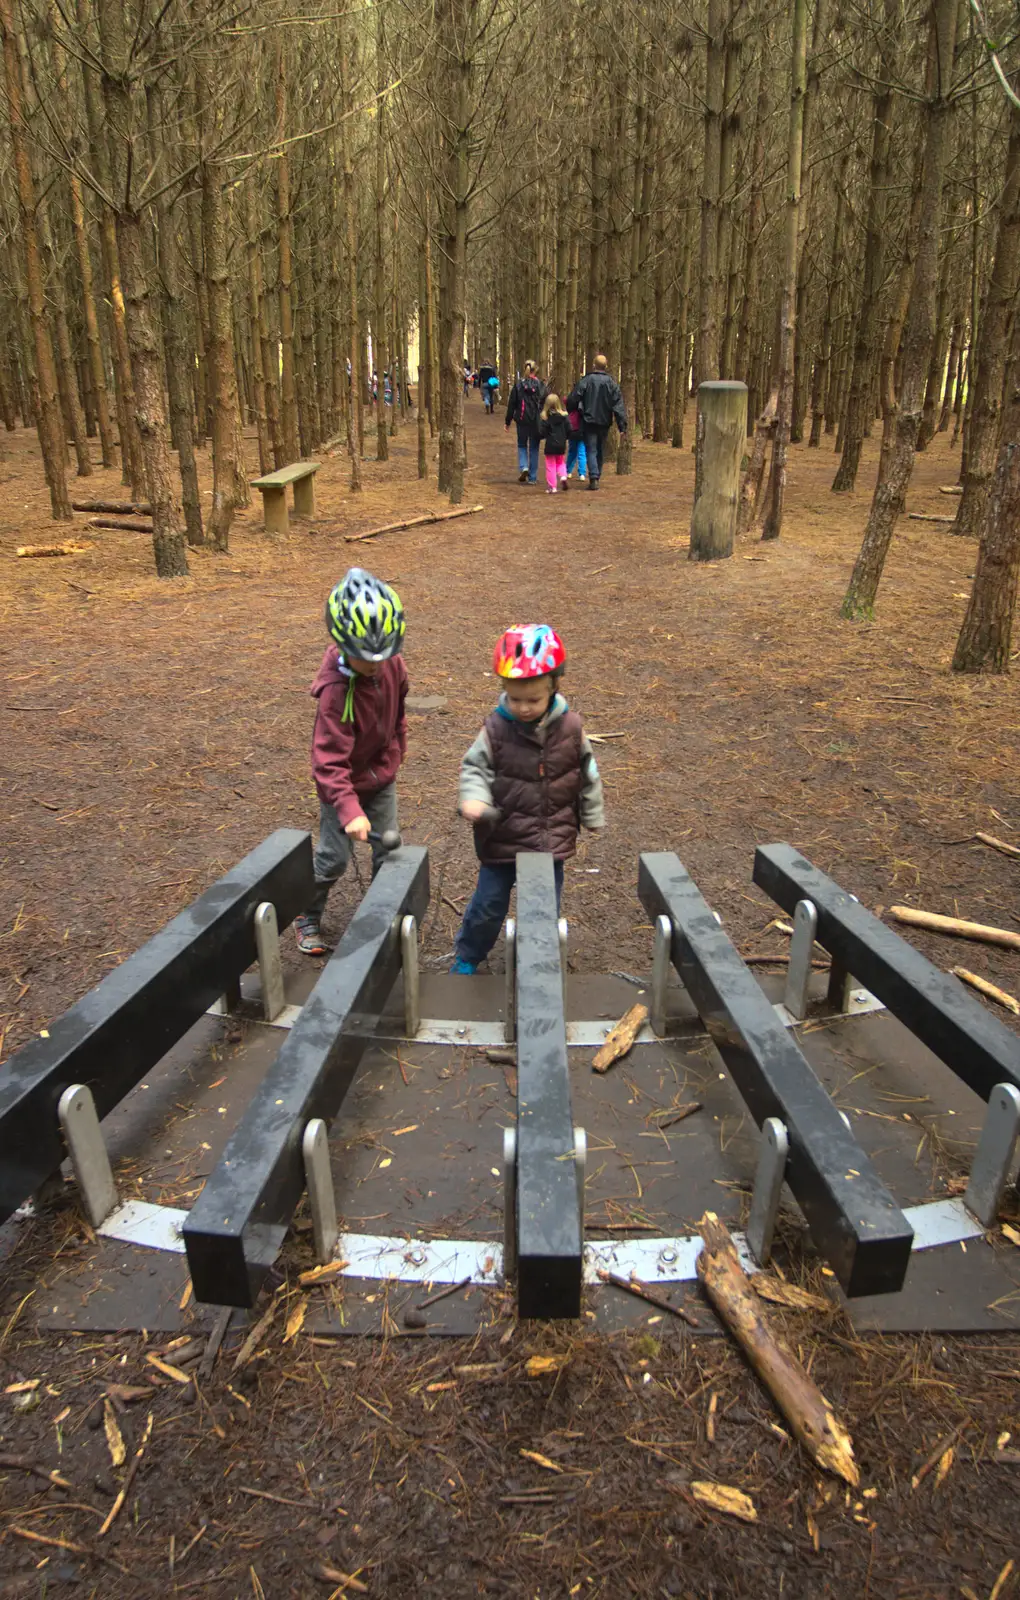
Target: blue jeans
[[487, 909], [576, 452], [527, 453], [594, 439]]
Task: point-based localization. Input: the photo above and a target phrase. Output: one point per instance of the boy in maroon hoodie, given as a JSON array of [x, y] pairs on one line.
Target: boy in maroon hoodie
[[360, 735]]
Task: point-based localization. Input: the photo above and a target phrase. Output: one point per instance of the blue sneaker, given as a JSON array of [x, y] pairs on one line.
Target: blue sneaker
[[464, 969]]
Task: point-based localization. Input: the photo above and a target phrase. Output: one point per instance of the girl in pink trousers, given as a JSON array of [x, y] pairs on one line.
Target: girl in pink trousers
[[554, 428]]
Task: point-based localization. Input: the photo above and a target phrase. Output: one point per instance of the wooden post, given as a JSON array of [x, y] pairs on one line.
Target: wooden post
[[722, 422]]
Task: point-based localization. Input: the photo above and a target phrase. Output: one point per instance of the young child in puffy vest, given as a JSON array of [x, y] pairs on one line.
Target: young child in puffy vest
[[529, 782]]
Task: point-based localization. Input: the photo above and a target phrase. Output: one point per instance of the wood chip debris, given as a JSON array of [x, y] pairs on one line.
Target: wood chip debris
[[788, 1294], [543, 1366], [114, 1437], [621, 1038], [723, 1497], [322, 1274]]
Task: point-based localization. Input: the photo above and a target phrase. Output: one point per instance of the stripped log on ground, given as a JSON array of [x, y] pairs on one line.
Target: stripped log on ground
[[991, 991], [800, 1400], [66, 547], [620, 1039], [121, 527], [413, 522], [953, 925], [121, 508], [998, 844]]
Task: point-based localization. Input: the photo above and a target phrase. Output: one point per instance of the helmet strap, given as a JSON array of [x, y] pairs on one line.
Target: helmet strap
[[348, 713]]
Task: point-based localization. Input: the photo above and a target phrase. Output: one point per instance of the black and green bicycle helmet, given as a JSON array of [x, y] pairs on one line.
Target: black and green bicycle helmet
[[365, 617]]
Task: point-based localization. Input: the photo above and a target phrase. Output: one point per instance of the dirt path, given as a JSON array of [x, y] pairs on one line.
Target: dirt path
[[152, 733]]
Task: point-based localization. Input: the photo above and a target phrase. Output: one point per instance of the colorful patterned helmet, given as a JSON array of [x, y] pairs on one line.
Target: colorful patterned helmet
[[530, 650], [365, 617]]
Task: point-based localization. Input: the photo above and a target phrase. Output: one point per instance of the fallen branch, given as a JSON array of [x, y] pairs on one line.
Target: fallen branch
[[621, 1038], [632, 1286], [989, 990], [951, 488], [213, 1343], [413, 522], [253, 1340], [322, 1274], [776, 961], [680, 1114], [954, 926], [121, 527], [801, 1401], [67, 547], [22, 1464], [927, 516], [122, 508], [125, 1489], [998, 844], [442, 1294]]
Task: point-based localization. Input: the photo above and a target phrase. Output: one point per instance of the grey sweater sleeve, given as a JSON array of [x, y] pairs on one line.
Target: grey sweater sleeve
[[593, 805], [477, 772]]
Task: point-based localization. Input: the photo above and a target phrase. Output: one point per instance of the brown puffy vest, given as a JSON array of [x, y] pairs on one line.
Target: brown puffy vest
[[537, 787]]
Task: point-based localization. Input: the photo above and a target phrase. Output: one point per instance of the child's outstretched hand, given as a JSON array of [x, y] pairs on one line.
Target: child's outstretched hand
[[359, 828], [474, 810]]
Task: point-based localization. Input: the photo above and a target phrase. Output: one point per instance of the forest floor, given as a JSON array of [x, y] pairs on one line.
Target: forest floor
[[152, 733]]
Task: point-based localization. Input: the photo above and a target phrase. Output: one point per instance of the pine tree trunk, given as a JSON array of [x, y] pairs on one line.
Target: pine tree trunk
[[379, 343], [258, 344], [990, 357], [177, 345], [220, 350], [351, 263], [288, 387], [168, 541], [707, 355], [952, 371], [866, 327], [773, 521], [898, 458], [985, 640], [51, 433], [937, 360], [823, 359]]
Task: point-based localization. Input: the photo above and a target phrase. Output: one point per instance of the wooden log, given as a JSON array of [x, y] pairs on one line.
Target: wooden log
[[990, 990], [998, 844], [121, 527], [66, 547], [950, 488], [620, 1039], [122, 508], [925, 516], [721, 431], [413, 522], [800, 1400], [954, 926]]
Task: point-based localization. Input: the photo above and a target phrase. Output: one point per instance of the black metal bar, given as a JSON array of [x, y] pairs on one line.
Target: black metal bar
[[853, 1220], [239, 1221], [549, 1232], [112, 1037], [932, 1004]]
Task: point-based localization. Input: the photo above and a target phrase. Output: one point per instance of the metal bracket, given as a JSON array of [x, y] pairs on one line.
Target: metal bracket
[[990, 1172], [94, 1175], [228, 1001], [580, 1169], [510, 1202], [840, 988], [267, 945], [510, 1010], [563, 931], [412, 985], [768, 1183], [319, 1179], [798, 973], [662, 955]]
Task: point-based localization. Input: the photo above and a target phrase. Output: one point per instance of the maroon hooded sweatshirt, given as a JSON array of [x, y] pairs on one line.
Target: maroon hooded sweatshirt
[[351, 758]]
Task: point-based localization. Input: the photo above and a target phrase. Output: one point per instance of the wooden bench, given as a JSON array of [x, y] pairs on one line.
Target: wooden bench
[[274, 494]]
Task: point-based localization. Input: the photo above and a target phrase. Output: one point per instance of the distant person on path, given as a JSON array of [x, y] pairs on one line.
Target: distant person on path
[[576, 453], [553, 427], [599, 399], [360, 738], [529, 782], [524, 407], [490, 392]]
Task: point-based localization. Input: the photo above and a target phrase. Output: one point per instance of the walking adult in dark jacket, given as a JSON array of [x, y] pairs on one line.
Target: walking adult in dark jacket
[[524, 408], [599, 399]]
